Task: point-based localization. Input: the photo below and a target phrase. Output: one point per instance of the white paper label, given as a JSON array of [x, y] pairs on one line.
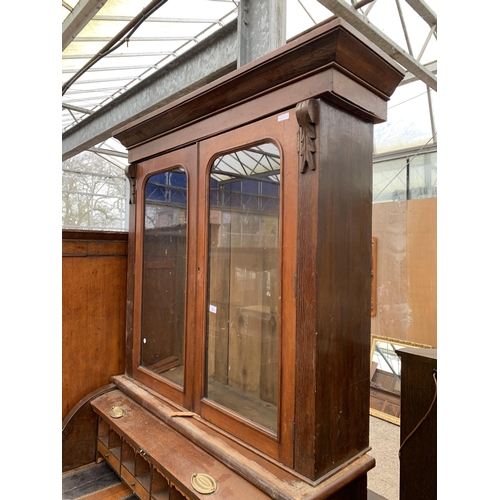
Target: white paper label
[[284, 116], [213, 309]]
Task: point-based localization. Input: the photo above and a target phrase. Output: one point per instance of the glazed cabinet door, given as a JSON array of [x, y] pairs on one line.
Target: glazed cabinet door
[[165, 270], [245, 295]]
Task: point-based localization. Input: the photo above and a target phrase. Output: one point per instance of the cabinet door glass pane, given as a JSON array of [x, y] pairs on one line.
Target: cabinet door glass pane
[[164, 275], [243, 283]]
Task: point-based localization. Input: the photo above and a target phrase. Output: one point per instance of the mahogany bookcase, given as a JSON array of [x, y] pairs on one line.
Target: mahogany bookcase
[[249, 279]]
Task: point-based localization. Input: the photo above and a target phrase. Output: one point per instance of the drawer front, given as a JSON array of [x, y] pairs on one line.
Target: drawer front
[[109, 457], [137, 488]]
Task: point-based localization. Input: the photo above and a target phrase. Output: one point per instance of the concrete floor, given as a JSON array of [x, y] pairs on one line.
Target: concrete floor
[[384, 440]]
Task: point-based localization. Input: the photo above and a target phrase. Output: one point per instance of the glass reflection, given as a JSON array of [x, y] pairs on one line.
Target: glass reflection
[[385, 377], [243, 283], [164, 275]]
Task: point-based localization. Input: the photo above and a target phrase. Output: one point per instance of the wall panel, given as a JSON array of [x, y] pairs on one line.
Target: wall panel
[[389, 227], [94, 266], [406, 233], [422, 270]]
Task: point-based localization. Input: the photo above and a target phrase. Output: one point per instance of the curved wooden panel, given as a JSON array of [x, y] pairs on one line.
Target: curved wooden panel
[[79, 431]]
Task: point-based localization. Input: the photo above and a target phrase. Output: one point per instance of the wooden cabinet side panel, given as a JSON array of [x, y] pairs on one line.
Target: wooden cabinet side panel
[[418, 456], [93, 319], [305, 387], [343, 287], [333, 302]]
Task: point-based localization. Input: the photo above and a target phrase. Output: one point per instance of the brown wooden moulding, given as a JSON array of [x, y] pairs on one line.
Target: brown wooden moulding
[[336, 45]]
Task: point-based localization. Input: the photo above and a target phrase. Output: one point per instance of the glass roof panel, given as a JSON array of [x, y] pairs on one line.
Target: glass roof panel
[[393, 22], [408, 120], [179, 25], [262, 161], [304, 14], [173, 28]]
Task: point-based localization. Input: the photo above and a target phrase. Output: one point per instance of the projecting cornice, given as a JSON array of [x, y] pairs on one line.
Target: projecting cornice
[[352, 59]]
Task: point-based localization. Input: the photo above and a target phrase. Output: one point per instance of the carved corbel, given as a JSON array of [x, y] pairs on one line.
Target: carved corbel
[[307, 113], [131, 173]]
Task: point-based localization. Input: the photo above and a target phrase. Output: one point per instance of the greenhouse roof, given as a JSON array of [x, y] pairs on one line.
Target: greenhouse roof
[[110, 47]]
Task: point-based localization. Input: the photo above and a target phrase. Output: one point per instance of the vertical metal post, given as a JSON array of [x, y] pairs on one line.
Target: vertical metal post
[[261, 28], [408, 180], [431, 115]]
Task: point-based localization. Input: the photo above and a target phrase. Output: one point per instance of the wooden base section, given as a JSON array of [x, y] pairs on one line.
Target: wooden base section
[[157, 451], [418, 452]]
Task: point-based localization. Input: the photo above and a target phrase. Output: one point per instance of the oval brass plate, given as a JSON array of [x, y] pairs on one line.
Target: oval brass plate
[[117, 412], [203, 483]]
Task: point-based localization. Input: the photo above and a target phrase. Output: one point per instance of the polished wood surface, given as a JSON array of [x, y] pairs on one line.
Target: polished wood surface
[[94, 273], [332, 238], [319, 112], [418, 435], [333, 295], [323, 313], [191, 434], [146, 439]]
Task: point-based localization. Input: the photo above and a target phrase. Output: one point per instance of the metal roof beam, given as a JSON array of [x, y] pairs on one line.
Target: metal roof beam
[[138, 39], [78, 19], [76, 108], [345, 11], [424, 11], [153, 19], [124, 54], [109, 152], [213, 57], [100, 80], [410, 78], [109, 68], [104, 90], [261, 28]]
